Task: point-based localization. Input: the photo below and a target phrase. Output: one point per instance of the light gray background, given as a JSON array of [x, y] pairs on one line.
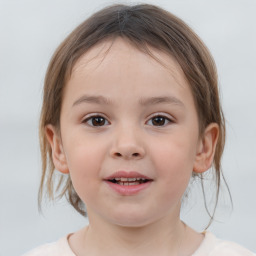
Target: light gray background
[[29, 33]]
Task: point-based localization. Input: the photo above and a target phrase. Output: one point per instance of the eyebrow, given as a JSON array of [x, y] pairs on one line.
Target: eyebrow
[[101, 100], [92, 99], [160, 99]]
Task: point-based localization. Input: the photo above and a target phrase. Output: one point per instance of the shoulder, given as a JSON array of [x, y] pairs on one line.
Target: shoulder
[[60, 247], [229, 248], [213, 246]]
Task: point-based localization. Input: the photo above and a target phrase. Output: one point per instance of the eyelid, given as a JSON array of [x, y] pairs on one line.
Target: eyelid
[[168, 117], [94, 114], [91, 115]]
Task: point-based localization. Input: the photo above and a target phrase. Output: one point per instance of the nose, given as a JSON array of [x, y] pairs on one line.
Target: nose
[[127, 144]]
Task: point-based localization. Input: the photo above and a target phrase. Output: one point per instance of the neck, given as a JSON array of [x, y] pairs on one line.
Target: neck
[[163, 237]]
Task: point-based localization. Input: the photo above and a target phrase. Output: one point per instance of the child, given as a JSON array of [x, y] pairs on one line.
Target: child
[[131, 113]]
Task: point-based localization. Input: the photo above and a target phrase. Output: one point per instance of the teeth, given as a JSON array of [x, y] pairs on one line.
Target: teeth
[[129, 179], [128, 183]]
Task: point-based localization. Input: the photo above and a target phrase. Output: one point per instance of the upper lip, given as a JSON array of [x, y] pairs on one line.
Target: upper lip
[[125, 174]]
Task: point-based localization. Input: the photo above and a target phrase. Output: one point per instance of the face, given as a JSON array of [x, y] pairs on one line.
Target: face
[[129, 134]]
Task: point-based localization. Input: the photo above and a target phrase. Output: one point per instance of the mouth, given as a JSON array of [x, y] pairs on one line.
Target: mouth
[[129, 181], [124, 178]]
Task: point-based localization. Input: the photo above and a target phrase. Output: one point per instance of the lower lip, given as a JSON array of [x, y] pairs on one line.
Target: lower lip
[[128, 190]]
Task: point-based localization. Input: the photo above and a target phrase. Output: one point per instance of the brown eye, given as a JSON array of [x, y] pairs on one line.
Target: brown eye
[[96, 121], [159, 121]]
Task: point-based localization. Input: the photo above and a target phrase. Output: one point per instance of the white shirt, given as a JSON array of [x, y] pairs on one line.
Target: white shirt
[[211, 246]]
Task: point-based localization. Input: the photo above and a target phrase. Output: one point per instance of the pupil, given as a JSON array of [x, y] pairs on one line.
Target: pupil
[[98, 121], [159, 120]]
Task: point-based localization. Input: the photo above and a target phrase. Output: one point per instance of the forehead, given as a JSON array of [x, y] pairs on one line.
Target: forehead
[[113, 67], [121, 50]]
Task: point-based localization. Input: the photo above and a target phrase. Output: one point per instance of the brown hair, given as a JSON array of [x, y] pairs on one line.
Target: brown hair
[[144, 26]]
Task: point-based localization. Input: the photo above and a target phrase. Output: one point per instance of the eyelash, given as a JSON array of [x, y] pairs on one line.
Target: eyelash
[[169, 120], [90, 118], [103, 119]]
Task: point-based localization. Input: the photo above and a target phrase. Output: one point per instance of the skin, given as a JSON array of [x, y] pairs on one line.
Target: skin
[[129, 139]]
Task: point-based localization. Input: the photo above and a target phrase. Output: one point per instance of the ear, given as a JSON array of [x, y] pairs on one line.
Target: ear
[[206, 148], [58, 154]]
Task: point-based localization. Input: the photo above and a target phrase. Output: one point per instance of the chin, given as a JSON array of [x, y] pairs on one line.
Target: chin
[[132, 224], [132, 220]]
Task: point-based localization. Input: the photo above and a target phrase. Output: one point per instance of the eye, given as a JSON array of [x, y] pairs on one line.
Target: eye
[[96, 121], [159, 120]]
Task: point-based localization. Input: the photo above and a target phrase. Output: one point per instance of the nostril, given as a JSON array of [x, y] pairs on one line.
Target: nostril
[[133, 154]]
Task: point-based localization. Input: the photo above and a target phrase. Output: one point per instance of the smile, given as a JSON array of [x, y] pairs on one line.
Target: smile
[[129, 181]]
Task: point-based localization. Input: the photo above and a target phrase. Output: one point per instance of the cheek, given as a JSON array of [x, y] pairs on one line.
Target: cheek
[[177, 153], [83, 153], [83, 159], [174, 163]]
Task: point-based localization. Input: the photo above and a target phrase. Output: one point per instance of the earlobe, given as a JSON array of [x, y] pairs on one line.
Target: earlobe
[[58, 155], [206, 148]]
